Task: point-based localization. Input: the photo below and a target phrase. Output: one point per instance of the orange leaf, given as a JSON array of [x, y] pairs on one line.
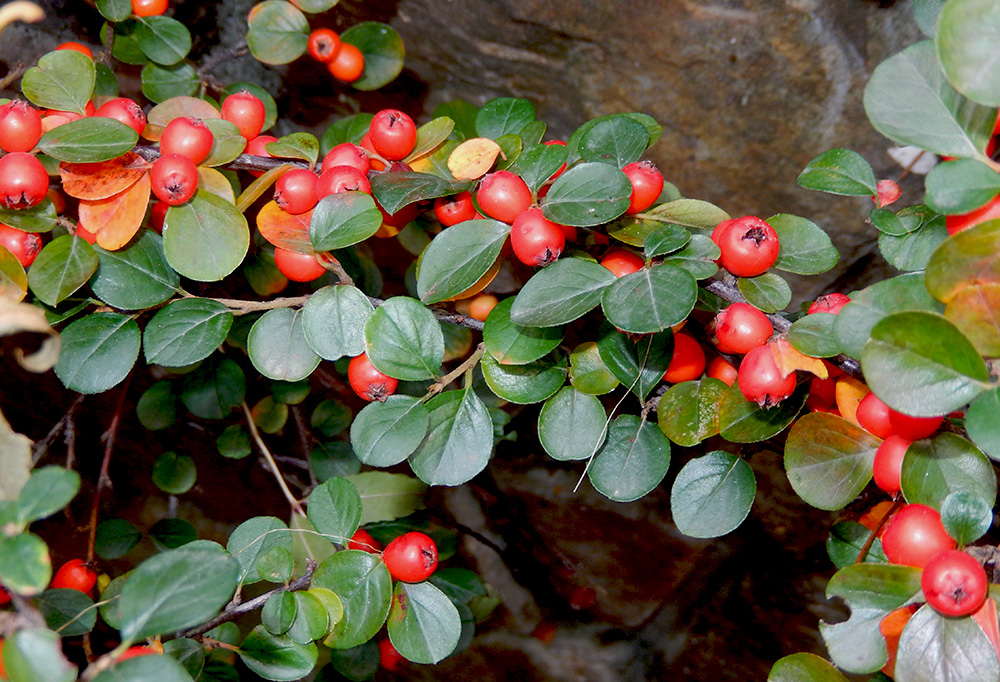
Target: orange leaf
[[849, 393], [472, 158], [986, 616], [891, 627], [283, 229], [789, 359], [115, 220], [103, 179]]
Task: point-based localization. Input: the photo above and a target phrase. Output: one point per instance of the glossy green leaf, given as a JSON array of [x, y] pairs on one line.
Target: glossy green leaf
[[214, 389], [966, 42], [48, 490], [653, 130], [25, 564], [277, 657], [186, 331], [712, 494], [960, 186], [88, 140], [871, 591], [423, 624], [560, 293], [400, 188], [504, 116], [63, 266], [115, 538], [303, 146], [839, 171], [888, 222], [277, 565], [459, 439], [587, 194], [163, 39], [912, 251], [227, 143], [333, 321], [828, 459], [768, 292], [805, 248], [172, 533], [335, 509], [173, 473], [386, 497], [513, 344], [633, 460], [404, 340], [205, 220], [524, 384], [69, 612], [966, 516], [347, 129], [982, 423], [357, 664], [382, 47], [234, 442], [847, 539], [35, 655], [278, 348], [114, 10], [743, 421], [537, 164], [650, 300], [63, 80], [813, 335], [908, 100], [157, 406], [343, 219], [188, 652], [135, 277], [38, 218], [458, 257], [935, 647], [804, 667], [277, 32], [386, 433], [688, 413], [160, 83], [572, 425], [587, 371], [638, 365], [363, 584], [98, 352], [124, 41], [666, 239], [310, 622], [254, 538], [926, 12], [689, 213], [617, 141], [278, 613], [177, 589], [934, 469], [920, 364]]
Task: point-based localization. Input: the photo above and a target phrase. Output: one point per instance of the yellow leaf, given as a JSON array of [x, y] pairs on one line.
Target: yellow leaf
[[471, 159], [115, 220], [849, 393], [789, 359]]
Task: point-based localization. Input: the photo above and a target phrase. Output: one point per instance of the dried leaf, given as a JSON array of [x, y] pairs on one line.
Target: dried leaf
[[115, 220], [94, 181], [471, 159]]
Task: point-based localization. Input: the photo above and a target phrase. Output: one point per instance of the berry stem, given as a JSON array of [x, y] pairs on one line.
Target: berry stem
[[466, 365]]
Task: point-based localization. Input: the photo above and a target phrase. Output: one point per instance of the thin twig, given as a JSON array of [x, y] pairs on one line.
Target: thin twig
[[466, 365], [874, 533], [255, 434], [40, 448], [103, 479]]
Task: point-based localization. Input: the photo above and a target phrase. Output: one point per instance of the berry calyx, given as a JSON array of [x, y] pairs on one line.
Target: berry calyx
[[342, 179], [411, 558], [347, 154], [323, 45], [749, 246], [954, 583], [369, 383], [830, 303], [174, 179], [24, 245]]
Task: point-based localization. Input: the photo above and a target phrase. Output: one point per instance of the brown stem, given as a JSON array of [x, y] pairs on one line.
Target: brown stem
[[103, 479], [40, 448], [874, 534], [255, 434], [466, 365]]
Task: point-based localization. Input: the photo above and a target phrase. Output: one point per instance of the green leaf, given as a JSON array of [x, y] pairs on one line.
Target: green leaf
[[38, 218], [698, 257], [966, 516], [115, 538], [63, 80], [160, 83], [69, 612], [430, 136], [972, 256], [311, 620], [560, 293], [768, 292], [277, 657], [278, 612], [278, 348], [982, 423], [253, 539], [227, 142], [135, 277], [98, 352], [638, 365], [524, 384], [172, 533], [357, 664], [88, 140], [188, 653], [363, 584], [205, 220], [302, 146], [666, 239], [888, 222], [828, 459], [805, 248], [871, 591], [277, 32], [157, 406], [908, 100], [588, 373], [935, 647], [174, 474], [459, 439], [966, 42], [804, 667], [618, 141], [63, 266], [387, 497], [839, 171], [35, 655], [423, 624], [382, 47], [163, 39], [177, 589], [458, 257], [934, 469], [688, 413], [586, 195], [513, 344], [535, 165], [960, 186], [743, 421], [186, 331], [404, 340], [689, 213], [847, 539], [912, 251], [114, 10], [650, 300], [386, 433], [572, 425], [712, 494], [343, 219], [633, 460], [333, 321], [813, 335], [214, 389], [504, 116], [348, 129], [47, 491], [926, 12], [25, 564], [920, 364], [653, 130], [401, 188], [335, 509]]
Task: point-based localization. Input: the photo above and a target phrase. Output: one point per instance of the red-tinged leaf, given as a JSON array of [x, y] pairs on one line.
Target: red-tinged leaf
[[283, 229], [104, 179], [166, 111], [789, 359], [973, 309], [115, 220], [986, 616]]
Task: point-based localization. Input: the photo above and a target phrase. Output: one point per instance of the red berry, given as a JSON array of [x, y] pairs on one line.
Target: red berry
[[831, 303], [134, 651], [124, 110], [749, 246], [388, 657], [454, 209], [503, 196], [741, 328], [481, 306], [687, 362], [174, 178], [347, 154], [23, 181], [622, 262], [913, 428], [149, 8], [873, 415], [954, 583], [364, 541], [257, 147], [957, 223], [760, 379], [888, 464], [723, 370], [246, 111], [24, 245], [348, 64], [75, 575], [535, 239], [369, 383], [582, 598], [323, 45], [393, 134], [647, 183], [915, 535], [187, 136], [342, 179], [76, 47], [158, 214], [295, 191], [20, 126], [298, 267], [411, 558]]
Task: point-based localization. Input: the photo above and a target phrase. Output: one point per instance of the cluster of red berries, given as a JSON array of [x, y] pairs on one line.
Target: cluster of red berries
[[343, 60]]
